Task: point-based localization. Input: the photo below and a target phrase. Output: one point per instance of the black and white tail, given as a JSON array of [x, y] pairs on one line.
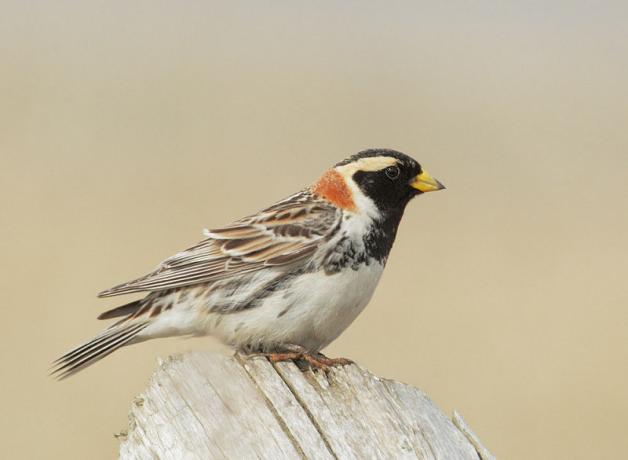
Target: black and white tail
[[100, 346], [133, 320]]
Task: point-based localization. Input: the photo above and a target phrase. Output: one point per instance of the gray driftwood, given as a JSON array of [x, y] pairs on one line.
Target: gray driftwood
[[209, 406]]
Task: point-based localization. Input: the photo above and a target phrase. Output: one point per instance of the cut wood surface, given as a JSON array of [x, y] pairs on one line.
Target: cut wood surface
[[209, 406]]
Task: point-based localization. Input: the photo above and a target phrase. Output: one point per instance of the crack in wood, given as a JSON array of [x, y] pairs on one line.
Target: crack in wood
[[242, 361], [307, 411]]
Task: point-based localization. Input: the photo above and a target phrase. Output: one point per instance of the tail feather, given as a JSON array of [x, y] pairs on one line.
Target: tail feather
[[100, 346], [125, 310], [100, 341], [84, 347]]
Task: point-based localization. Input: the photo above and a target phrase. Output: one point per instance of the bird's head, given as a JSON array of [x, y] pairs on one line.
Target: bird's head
[[376, 181]]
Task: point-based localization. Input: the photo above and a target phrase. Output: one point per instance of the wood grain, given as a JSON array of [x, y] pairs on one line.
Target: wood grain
[[209, 406]]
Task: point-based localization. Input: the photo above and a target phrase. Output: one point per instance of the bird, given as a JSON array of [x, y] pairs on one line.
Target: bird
[[284, 282]]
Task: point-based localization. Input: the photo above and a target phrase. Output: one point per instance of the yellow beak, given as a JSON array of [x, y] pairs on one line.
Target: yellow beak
[[426, 183]]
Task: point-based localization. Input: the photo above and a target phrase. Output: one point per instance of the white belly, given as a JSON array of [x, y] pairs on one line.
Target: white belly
[[312, 312]]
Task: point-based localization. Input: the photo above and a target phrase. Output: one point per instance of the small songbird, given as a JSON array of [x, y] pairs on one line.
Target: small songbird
[[284, 282]]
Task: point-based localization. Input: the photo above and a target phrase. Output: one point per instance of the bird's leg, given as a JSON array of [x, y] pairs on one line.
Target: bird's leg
[[333, 361], [292, 352], [285, 356], [286, 353], [316, 360]]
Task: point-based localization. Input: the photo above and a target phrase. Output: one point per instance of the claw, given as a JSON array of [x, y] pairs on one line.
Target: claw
[[334, 361], [315, 360]]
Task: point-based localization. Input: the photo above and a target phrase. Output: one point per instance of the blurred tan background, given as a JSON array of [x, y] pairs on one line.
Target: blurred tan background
[[127, 127]]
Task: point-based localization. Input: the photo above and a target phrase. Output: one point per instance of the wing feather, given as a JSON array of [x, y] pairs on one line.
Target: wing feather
[[287, 233]]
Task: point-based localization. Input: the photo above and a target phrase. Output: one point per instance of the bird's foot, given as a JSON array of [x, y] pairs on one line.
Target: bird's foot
[[315, 360], [280, 357], [333, 361]]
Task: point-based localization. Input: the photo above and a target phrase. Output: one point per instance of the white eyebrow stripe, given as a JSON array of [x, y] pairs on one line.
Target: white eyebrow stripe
[[363, 203], [366, 164]]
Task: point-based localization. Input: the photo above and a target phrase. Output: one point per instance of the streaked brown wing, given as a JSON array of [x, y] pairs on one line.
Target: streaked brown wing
[[285, 234]]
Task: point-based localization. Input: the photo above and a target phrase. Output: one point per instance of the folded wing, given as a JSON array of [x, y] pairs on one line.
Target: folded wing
[[283, 235]]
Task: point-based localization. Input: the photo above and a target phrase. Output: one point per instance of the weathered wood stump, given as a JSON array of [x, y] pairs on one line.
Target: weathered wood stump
[[209, 406]]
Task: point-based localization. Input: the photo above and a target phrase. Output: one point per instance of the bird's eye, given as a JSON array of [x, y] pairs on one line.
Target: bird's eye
[[392, 172]]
